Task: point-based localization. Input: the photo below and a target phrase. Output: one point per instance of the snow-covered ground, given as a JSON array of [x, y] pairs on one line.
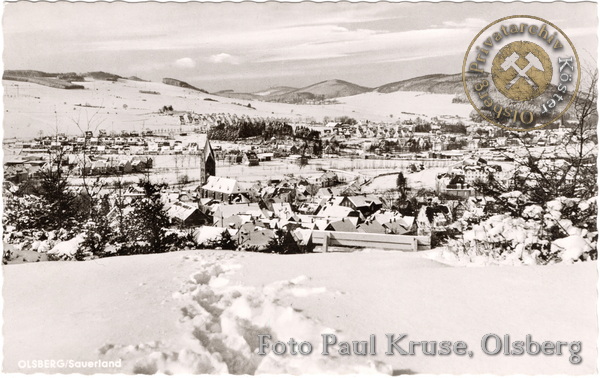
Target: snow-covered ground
[[417, 180], [201, 311], [120, 106], [405, 105]]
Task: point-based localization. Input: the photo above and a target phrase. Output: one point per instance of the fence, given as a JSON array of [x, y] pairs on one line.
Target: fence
[[374, 164], [407, 243]]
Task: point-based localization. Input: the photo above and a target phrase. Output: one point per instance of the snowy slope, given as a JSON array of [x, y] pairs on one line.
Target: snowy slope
[[200, 311], [405, 105], [115, 106]]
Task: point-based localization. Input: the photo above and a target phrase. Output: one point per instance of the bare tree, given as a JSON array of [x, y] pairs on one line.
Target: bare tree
[[567, 169], [584, 136], [90, 124]]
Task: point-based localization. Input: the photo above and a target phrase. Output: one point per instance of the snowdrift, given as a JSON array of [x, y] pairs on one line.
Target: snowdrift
[[201, 311]]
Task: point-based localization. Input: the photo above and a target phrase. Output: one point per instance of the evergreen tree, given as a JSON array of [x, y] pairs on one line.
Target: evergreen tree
[[283, 243], [148, 220], [61, 200], [401, 185], [24, 211], [98, 232], [227, 242]]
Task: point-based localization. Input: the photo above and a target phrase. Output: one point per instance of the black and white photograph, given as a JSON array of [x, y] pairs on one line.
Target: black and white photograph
[[298, 188]]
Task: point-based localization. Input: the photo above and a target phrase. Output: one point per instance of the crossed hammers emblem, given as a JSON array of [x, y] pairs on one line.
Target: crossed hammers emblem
[[511, 61]]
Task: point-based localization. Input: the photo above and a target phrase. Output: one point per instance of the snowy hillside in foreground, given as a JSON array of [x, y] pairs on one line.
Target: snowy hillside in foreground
[[200, 312]]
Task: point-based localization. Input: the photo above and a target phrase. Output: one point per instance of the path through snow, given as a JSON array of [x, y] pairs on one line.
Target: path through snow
[[220, 324]]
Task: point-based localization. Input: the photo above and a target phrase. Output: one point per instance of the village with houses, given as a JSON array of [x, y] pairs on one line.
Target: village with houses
[[416, 178]]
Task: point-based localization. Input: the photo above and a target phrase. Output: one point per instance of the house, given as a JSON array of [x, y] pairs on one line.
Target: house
[[256, 240], [267, 156], [392, 221], [284, 212], [124, 166], [357, 203], [371, 227], [343, 225], [99, 167], [141, 165], [236, 222], [328, 179], [251, 225], [350, 189], [338, 212], [367, 205], [250, 159], [188, 197], [309, 208], [187, 215], [325, 193], [433, 218], [454, 184], [16, 173], [239, 198], [224, 211], [279, 194], [208, 205], [457, 208], [175, 195], [302, 193], [221, 188]]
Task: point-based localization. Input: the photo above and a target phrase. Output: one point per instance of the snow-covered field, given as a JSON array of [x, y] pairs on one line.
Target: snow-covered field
[[31, 108], [201, 311], [417, 180], [405, 105]]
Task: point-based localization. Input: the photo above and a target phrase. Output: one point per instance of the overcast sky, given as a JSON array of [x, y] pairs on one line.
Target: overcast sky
[[253, 46]]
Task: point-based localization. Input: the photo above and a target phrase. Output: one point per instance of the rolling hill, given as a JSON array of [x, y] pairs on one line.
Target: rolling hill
[[27, 73], [135, 78], [182, 84], [275, 91], [437, 83], [65, 80], [324, 90], [330, 89], [100, 75], [229, 93], [319, 91], [61, 81], [57, 80]]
